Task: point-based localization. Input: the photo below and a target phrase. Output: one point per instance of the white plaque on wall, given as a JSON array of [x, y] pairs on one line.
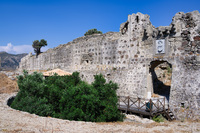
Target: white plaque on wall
[[160, 46]]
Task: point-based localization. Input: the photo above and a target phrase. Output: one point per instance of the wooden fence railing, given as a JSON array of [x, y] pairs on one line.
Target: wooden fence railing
[[141, 105]]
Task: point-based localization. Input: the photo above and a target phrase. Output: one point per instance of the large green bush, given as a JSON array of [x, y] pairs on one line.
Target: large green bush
[[68, 97]]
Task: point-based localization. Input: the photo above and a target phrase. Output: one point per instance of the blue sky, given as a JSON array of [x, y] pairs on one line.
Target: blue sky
[[61, 21]]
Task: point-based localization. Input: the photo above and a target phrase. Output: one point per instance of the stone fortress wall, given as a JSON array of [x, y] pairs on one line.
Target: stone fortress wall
[[129, 57]]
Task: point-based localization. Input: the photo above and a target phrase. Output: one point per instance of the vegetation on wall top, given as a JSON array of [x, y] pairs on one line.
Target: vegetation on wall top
[[92, 31], [37, 45]]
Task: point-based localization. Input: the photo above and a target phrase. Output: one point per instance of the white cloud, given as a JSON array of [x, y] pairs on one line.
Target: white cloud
[[19, 49]]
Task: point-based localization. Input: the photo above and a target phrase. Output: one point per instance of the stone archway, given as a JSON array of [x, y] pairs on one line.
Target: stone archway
[[161, 75]]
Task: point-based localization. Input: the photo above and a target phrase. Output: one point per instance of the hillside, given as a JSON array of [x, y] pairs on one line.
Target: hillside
[[10, 61]]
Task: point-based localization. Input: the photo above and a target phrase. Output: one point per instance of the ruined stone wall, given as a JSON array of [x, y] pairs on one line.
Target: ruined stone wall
[[126, 57]]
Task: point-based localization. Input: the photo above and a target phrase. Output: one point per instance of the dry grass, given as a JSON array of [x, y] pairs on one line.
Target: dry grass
[[119, 123], [7, 85], [155, 124], [156, 131], [169, 131]]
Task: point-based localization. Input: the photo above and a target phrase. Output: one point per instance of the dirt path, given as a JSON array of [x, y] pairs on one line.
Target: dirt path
[[14, 121]]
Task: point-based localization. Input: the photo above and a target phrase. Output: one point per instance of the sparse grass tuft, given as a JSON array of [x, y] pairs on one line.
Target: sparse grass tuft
[[159, 118]]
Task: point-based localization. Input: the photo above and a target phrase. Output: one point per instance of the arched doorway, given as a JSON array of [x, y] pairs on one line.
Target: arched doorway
[[161, 73]]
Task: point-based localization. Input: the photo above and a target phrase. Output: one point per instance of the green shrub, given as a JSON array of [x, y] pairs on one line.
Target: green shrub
[[33, 105], [68, 97], [159, 118], [169, 69], [92, 31]]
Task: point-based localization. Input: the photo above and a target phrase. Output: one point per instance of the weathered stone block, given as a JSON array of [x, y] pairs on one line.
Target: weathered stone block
[[184, 43]]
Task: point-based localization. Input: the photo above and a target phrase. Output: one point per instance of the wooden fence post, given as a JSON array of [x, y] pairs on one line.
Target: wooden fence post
[[128, 102], [139, 103], [168, 109], [164, 104], [151, 106]]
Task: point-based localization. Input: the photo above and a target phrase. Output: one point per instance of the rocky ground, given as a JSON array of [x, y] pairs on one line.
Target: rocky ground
[[8, 82], [14, 121]]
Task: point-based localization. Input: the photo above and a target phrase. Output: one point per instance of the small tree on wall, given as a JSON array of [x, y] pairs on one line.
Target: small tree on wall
[[38, 44], [92, 31]]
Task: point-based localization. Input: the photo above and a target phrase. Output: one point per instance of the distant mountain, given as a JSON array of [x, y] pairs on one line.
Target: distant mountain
[[10, 61]]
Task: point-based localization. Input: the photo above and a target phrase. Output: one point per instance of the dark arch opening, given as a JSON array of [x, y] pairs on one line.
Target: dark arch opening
[[161, 72], [137, 19], [10, 100]]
